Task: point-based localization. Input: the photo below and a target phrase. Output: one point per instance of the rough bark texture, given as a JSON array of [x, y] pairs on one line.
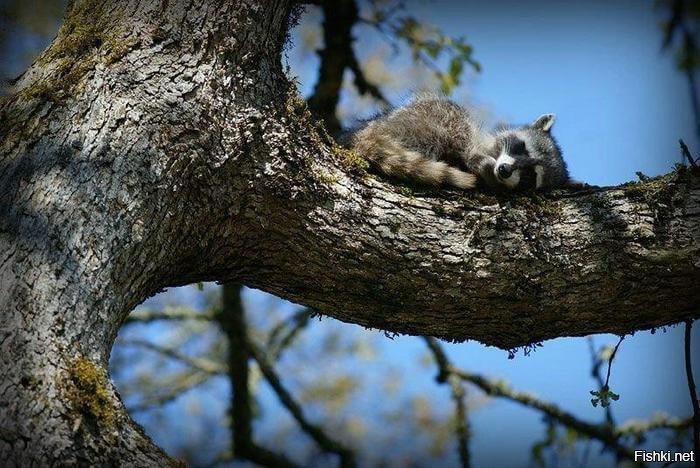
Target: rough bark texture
[[156, 143]]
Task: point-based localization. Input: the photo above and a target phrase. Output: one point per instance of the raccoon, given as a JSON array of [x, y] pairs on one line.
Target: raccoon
[[435, 141]]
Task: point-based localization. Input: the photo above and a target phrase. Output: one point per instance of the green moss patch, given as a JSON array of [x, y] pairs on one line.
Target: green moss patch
[[88, 393], [86, 37], [297, 108]]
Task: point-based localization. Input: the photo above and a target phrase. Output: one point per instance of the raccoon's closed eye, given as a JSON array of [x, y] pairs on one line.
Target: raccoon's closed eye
[[518, 147]]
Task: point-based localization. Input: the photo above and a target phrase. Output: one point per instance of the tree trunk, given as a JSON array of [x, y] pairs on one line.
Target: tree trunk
[[158, 143], [132, 130]]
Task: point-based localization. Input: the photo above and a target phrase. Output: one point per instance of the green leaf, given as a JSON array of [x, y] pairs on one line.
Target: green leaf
[[432, 49], [456, 66], [464, 49], [447, 83]]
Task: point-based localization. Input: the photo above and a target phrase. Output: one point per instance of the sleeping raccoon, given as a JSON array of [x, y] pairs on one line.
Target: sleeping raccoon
[[436, 142]]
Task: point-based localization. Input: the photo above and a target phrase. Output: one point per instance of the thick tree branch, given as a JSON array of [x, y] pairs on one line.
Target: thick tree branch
[[504, 270]]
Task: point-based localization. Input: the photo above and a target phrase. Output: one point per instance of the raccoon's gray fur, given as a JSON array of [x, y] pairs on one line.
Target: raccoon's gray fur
[[437, 142]]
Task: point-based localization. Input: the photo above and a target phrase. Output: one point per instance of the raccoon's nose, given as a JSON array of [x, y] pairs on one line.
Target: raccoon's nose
[[505, 170]]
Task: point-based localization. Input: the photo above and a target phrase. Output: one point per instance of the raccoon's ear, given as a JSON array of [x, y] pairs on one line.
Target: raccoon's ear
[[544, 122]]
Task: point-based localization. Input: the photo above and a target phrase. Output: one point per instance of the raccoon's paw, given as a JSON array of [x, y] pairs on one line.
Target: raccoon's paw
[[487, 173]]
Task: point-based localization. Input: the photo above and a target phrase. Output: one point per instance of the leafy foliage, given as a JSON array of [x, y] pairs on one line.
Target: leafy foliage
[[428, 44], [444, 55]]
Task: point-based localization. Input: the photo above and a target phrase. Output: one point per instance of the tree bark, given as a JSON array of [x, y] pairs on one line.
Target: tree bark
[[159, 143]]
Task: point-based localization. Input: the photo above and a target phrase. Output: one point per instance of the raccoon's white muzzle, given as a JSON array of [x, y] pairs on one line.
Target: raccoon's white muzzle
[[513, 178]]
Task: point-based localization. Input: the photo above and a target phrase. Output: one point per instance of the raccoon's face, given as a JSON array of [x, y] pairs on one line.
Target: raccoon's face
[[526, 155]]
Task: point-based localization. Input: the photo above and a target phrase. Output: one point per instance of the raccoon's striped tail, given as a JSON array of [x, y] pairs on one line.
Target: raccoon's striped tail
[[395, 160]]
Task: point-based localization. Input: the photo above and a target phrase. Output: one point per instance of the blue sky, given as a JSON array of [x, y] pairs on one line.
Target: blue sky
[[621, 107]]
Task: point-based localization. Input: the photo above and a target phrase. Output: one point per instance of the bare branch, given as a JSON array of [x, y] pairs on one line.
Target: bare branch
[[339, 17], [462, 421], [681, 22], [171, 391], [232, 320], [278, 341], [458, 395], [347, 458], [362, 83], [639, 428], [337, 55], [692, 390], [599, 432], [169, 313], [204, 365], [686, 153]]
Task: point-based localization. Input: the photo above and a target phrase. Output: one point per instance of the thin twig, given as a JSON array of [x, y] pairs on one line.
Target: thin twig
[[462, 423], [596, 362], [363, 85], [692, 84], [610, 360], [639, 429], [679, 22], [686, 152], [693, 393], [204, 365], [188, 382], [176, 313], [277, 342], [600, 432]]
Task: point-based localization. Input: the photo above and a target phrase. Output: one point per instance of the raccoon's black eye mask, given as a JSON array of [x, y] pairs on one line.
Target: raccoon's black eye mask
[[516, 146], [519, 148]]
